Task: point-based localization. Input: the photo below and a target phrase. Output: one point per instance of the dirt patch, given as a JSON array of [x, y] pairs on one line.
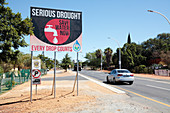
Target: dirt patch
[[60, 73], [153, 76], [18, 99]]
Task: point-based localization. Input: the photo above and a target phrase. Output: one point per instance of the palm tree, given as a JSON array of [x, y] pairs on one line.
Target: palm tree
[[98, 53], [108, 52], [66, 62]]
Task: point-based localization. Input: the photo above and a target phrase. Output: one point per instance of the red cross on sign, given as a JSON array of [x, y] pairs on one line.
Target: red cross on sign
[[36, 73]]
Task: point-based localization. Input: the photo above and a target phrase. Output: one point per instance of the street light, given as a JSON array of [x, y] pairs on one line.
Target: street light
[[119, 51], [160, 14], [101, 59]]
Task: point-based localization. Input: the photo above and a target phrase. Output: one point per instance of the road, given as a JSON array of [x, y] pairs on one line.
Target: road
[[71, 77], [153, 92]]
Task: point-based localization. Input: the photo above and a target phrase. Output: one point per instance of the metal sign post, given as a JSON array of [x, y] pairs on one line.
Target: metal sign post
[[36, 89], [55, 74], [31, 77], [77, 72]]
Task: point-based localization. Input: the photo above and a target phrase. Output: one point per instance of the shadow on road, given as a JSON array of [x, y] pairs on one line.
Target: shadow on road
[[119, 83]]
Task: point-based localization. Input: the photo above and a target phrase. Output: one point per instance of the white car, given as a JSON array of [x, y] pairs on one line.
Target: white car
[[120, 75]]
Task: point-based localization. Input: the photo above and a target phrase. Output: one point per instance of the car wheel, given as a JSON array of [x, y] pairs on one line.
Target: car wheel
[[131, 82], [114, 81], [107, 80]]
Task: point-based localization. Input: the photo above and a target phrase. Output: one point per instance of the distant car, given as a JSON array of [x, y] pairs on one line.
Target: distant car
[[75, 67], [47, 69], [120, 75]]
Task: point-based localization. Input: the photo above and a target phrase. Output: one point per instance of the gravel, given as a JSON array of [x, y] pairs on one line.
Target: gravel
[[114, 103]]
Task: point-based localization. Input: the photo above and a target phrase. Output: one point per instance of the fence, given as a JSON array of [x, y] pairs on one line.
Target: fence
[[162, 72], [11, 79]]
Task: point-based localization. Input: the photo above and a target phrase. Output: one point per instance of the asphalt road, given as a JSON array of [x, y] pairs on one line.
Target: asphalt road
[[153, 92], [70, 77]]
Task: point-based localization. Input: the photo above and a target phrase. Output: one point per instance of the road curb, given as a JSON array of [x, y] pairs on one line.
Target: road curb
[[104, 85]]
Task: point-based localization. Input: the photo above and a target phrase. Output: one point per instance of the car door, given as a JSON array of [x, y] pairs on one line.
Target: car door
[[114, 74], [110, 76]]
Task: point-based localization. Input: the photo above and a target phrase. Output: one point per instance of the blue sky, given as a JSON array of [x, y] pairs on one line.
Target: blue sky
[[105, 18]]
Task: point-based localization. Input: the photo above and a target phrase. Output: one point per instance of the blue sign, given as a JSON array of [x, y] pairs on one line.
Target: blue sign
[[76, 46]]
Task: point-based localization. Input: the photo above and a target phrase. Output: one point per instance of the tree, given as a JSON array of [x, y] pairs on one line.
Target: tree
[[115, 59], [1, 70], [49, 63], [92, 60], [129, 39], [98, 53], [6, 66], [152, 47], [108, 52], [66, 61], [165, 57], [12, 32], [131, 56], [27, 61], [17, 60]]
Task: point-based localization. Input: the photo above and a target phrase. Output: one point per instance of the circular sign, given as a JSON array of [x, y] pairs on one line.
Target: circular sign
[[57, 31], [36, 73]]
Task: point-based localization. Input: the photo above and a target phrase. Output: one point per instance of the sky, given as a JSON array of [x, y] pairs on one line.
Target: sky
[[104, 18]]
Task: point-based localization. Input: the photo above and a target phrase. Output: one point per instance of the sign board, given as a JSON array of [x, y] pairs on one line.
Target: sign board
[[56, 30], [36, 74], [36, 64]]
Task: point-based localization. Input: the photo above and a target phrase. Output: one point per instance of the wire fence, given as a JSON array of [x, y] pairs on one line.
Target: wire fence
[[11, 79]]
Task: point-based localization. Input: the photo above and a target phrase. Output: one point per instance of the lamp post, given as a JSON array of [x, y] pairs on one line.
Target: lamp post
[[101, 58], [160, 14], [119, 51]]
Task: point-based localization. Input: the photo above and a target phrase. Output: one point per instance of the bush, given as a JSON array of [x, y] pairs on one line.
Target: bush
[[1, 70], [140, 69]]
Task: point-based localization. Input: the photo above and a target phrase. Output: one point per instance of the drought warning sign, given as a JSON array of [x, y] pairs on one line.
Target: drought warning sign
[[56, 30]]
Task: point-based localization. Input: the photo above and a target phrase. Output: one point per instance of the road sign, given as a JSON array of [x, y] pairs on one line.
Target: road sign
[[36, 74], [36, 81], [36, 64], [56, 30]]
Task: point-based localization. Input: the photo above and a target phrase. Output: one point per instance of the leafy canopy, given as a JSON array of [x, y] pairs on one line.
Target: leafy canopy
[[12, 32]]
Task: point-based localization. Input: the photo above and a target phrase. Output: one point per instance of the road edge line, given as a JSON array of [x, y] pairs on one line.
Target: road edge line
[[104, 85]]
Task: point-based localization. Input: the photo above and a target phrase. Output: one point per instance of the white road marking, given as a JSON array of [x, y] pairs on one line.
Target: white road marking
[[102, 84], [154, 80], [158, 87]]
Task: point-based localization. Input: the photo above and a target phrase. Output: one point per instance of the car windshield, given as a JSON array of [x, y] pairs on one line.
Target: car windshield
[[123, 71]]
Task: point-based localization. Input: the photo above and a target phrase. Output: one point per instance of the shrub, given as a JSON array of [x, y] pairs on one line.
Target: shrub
[[140, 69], [1, 70]]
